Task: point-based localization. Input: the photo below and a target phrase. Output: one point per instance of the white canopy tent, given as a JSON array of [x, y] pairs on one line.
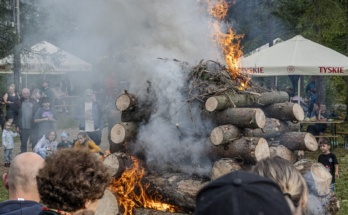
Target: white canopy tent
[[46, 58], [296, 56]]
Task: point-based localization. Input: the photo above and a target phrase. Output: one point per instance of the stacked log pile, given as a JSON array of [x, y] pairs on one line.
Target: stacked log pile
[[250, 125]]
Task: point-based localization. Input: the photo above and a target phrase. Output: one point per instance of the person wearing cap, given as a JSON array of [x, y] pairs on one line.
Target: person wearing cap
[[90, 116], [241, 193], [65, 142], [45, 118]]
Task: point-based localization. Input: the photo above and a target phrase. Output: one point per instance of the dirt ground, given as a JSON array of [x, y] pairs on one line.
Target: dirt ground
[[72, 135]]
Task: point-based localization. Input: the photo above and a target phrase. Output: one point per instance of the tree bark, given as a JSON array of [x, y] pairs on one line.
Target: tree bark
[[273, 128], [224, 134], [116, 163], [122, 132], [224, 166], [299, 141], [107, 205], [232, 99], [249, 150], [241, 117], [175, 188], [284, 111], [125, 102], [283, 152]]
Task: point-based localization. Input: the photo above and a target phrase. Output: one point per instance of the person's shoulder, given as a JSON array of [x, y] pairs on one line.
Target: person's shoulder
[[20, 207]]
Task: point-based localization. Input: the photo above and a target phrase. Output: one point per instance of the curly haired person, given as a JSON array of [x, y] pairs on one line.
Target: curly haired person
[[71, 182]]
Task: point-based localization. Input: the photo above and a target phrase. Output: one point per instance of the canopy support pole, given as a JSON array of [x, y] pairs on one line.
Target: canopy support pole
[[298, 90]]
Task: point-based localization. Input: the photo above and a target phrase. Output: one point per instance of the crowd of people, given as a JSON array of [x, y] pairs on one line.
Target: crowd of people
[[30, 116]]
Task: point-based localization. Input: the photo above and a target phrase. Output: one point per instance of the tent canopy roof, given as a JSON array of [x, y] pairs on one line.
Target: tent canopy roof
[[46, 58], [296, 56]]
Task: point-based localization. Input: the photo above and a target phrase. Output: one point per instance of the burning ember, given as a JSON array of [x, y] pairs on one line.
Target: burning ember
[[131, 193], [228, 42]]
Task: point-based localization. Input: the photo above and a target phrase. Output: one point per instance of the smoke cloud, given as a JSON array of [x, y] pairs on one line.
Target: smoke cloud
[[131, 35]]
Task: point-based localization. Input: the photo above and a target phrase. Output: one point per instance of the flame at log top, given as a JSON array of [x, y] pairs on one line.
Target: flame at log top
[[228, 42], [130, 192]]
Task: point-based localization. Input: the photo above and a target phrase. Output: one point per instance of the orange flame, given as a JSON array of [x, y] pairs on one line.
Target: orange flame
[[130, 192], [228, 42]]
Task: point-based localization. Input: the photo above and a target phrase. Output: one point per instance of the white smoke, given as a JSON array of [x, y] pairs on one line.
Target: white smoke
[[134, 34]]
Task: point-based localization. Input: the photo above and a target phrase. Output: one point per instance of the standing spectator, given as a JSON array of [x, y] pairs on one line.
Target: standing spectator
[[2, 115], [26, 111], [83, 141], [312, 100], [11, 98], [66, 85], [47, 145], [71, 182], [59, 98], [46, 92], [90, 116], [45, 118], [329, 160], [310, 86], [7, 142], [65, 142], [20, 181], [36, 96]]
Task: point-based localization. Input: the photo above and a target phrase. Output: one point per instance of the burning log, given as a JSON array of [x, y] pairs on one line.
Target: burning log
[[299, 141], [285, 111], [241, 117], [107, 204], [232, 99], [247, 149], [273, 128], [122, 132], [224, 134], [175, 188], [143, 211], [126, 102], [283, 152], [224, 166], [116, 163]]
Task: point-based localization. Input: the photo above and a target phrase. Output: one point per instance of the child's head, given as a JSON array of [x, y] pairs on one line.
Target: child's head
[[64, 136], [8, 125], [324, 145]]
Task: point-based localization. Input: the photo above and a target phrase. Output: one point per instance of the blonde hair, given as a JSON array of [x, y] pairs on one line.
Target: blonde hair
[[288, 178]]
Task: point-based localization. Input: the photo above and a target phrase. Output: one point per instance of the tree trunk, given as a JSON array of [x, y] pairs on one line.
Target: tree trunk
[[273, 128], [224, 134], [107, 205], [175, 188], [224, 166], [241, 117], [283, 152], [116, 163], [114, 117], [122, 132], [232, 99], [125, 102], [299, 141], [143, 211], [247, 149], [285, 111]]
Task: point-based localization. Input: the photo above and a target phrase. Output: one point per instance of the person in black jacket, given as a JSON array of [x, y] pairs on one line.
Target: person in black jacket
[[21, 184]]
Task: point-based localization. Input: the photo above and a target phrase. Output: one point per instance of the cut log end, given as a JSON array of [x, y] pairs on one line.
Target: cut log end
[[260, 118], [120, 132], [298, 112], [123, 102], [262, 149], [211, 104], [310, 142], [216, 136]]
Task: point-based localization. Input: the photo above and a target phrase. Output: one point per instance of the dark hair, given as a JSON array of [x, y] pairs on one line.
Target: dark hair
[[48, 134], [324, 140], [70, 178]]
